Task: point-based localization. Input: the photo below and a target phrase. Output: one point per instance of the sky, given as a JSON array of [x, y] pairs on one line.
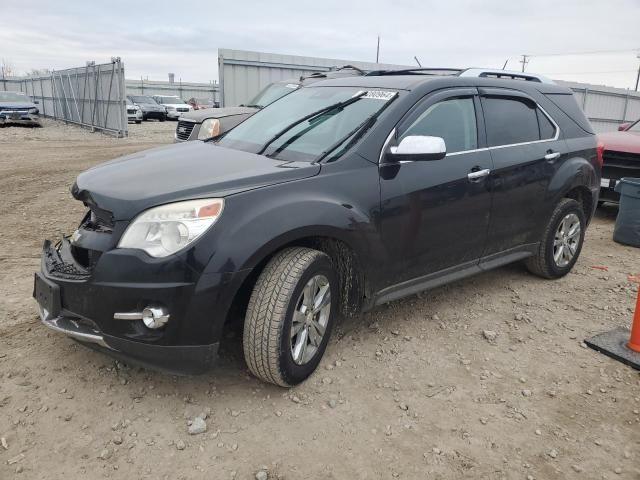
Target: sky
[[157, 37]]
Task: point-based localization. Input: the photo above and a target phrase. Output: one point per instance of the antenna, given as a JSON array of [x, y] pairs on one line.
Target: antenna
[[378, 51], [417, 61], [504, 67]]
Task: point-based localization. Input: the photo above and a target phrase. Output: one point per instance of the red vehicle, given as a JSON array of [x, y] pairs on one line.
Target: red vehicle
[[621, 158]]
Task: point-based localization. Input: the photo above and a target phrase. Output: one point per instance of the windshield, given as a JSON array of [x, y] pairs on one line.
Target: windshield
[[635, 127], [13, 97], [142, 99], [171, 100], [271, 93], [311, 138]]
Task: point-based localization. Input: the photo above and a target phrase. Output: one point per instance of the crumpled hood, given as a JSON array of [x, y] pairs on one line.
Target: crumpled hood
[[201, 115], [12, 105], [621, 141], [133, 183]]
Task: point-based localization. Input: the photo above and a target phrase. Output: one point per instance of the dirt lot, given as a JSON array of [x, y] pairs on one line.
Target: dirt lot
[[484, 378]]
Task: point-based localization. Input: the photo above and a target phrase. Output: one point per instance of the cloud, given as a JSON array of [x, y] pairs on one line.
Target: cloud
[[157, 37]]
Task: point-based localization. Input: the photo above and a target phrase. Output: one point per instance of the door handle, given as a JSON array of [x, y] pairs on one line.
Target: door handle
[[477, 175], [552, 156]]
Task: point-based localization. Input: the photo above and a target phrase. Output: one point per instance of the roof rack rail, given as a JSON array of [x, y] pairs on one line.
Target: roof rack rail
[[417, 71], [504, 74]]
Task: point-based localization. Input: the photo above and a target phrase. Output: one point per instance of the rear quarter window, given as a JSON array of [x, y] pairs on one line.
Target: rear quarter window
[[567, 103]]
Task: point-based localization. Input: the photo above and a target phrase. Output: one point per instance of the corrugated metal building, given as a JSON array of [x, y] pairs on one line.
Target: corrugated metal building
[[242, 73]]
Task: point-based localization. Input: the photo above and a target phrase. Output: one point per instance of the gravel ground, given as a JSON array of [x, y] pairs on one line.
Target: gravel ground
[[484, 378]]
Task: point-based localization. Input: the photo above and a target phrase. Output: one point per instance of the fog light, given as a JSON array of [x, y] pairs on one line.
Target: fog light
[[155, 317]]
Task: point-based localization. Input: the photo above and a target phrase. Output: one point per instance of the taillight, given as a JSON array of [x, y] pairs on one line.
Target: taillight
[[600, 153]]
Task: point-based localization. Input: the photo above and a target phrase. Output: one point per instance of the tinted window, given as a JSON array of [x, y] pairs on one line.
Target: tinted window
[[509, 121], [547, 129], [454, 120]]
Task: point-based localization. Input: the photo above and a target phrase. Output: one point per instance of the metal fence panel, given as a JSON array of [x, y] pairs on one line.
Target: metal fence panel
[[242, 74], [92, 96], [606, 107]]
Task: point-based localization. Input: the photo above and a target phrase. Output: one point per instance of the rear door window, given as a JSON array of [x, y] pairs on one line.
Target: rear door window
[[510, 120]]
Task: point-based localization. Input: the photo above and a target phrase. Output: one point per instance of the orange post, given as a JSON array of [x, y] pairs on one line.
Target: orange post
[[634, 340]]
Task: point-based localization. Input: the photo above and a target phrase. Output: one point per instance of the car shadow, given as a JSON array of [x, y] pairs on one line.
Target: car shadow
[[608, 211]]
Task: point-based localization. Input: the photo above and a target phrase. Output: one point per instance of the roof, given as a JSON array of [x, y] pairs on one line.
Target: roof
[[397, 82], [413, 82]]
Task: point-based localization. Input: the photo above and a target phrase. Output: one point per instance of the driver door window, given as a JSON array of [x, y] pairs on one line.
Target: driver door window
[[454, 120]]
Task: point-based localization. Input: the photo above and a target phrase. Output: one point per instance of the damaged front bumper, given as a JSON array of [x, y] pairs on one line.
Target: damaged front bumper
[[85, 303]]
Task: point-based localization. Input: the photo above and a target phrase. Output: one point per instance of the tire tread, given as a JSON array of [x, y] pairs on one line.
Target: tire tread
[[267, 309], [537, 264]]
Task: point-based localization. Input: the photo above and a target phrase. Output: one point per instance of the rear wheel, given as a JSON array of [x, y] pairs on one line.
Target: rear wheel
[[290, 316], [162, 119], [561, 242]]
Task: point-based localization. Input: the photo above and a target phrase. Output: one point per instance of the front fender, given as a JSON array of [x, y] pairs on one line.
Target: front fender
[[337, 204]]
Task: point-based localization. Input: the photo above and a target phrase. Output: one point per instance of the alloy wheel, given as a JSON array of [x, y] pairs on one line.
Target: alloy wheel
[[310, 319], [566, 240]]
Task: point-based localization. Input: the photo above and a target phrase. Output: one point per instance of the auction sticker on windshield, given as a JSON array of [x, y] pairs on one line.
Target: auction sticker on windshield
[[380, 95]]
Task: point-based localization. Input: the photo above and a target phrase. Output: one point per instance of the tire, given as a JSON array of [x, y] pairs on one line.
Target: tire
[[543, 262], [145, 118], [279, 293], [138, 122], [162, 119]]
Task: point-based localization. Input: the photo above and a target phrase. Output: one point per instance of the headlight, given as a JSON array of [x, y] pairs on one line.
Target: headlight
[[162, 231], [209, 128], [171, 108]]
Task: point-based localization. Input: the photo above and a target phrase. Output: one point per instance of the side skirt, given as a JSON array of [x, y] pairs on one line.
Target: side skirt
[[452, 274]]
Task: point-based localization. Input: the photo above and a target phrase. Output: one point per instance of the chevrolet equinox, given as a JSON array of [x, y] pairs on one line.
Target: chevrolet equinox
[[341, 196]]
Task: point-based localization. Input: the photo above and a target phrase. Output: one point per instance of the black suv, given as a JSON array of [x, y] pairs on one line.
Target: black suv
[[339, 197]]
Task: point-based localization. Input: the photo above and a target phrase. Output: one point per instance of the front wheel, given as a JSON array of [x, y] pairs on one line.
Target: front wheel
[[561, 242], [290, 316]]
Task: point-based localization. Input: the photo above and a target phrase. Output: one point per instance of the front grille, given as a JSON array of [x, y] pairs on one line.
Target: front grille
[[184, 129], [59, 262], [620, 164], [182, 109], [130, 111], [13, 109]]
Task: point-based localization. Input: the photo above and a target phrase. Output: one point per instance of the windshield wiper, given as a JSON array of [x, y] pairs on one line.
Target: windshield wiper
[[317, 113], [354, 134]]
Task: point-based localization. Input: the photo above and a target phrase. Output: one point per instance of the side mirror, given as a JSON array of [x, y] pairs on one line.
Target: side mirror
[[418, 148], [623, 127]]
